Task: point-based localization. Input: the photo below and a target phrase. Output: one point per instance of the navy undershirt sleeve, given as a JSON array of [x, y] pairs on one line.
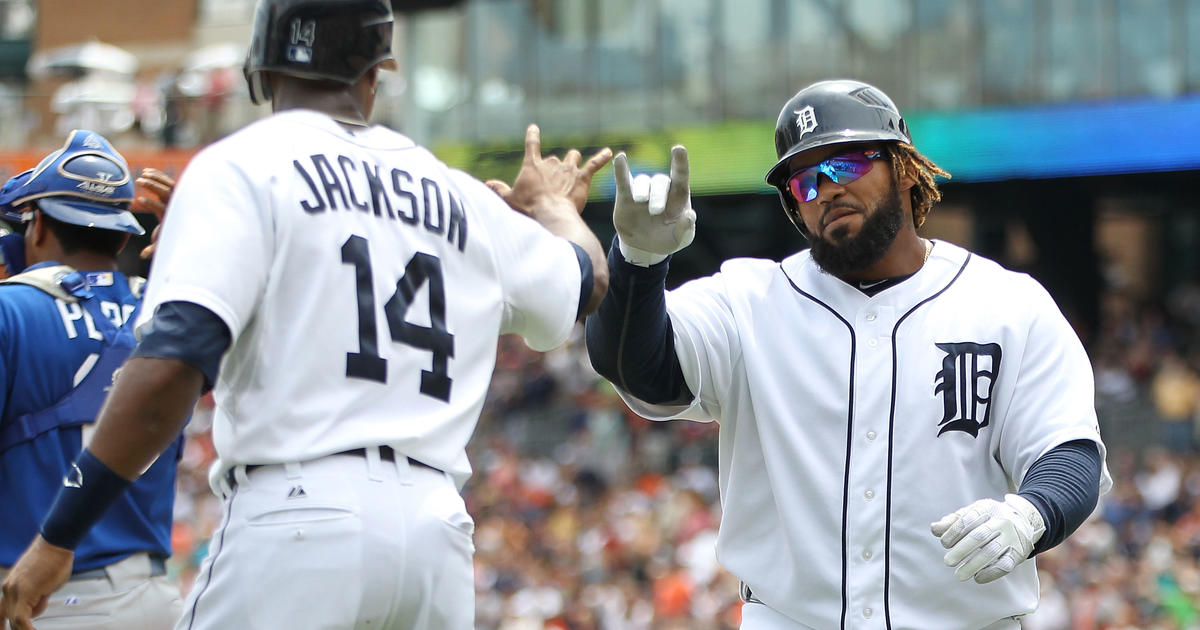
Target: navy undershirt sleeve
[[588, 280], [1064, 486], [629, 338], [187, 332]]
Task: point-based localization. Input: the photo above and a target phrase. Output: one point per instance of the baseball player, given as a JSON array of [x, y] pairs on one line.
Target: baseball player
[[342, 290], [66, 324], [903, 423]]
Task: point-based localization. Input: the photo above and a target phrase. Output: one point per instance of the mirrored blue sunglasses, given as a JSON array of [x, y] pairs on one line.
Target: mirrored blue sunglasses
[[842, 169]]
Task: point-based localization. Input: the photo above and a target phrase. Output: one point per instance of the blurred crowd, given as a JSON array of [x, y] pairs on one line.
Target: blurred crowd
[[590, 518]]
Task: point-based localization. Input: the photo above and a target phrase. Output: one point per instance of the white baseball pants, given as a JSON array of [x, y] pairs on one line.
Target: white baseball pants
[[125, 595], [346, 541]]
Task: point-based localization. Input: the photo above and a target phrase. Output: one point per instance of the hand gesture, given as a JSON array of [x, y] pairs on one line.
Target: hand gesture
[[159, 185], [40, 571], [989, 538], [541, 177], [653, 214]]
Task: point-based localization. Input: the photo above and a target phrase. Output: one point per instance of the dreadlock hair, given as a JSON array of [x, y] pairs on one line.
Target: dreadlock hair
[[908, 162]]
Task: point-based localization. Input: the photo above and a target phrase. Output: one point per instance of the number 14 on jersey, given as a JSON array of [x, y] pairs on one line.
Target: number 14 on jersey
[[421, 269]]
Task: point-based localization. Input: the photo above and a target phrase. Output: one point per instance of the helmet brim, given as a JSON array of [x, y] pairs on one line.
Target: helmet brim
[[92, 215]]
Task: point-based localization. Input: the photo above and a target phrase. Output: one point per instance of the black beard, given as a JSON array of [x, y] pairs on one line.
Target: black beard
[[851, 255]]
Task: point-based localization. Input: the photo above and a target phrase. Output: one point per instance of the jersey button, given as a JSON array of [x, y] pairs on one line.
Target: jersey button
[[869, 494], [870, 317], [866, 613], [872, 343], [866, 554], [870, 436]]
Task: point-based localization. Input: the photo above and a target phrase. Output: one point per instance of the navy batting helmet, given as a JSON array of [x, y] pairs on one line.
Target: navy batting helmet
[[84, 183], [831, 112], [324, 40]]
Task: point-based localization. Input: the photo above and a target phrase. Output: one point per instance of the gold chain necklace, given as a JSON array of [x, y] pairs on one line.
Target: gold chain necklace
[[928, 250]]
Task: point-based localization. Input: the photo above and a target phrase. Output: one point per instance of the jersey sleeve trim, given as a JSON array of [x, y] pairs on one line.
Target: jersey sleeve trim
[[186, 332], [200, 297]]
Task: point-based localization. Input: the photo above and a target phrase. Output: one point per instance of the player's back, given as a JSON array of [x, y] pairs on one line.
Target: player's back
[[367, 287], [54, 378]]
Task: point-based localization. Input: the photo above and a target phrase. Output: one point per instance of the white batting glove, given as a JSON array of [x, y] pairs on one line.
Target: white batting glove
[[988, 539], [653, 215]]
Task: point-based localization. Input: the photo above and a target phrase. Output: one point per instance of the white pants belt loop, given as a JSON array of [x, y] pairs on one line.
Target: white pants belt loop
[[239, 476], [404, 471], [292, 470], [374, 469]]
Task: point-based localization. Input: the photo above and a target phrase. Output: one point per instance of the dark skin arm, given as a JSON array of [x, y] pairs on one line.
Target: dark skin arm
[[144, 413]]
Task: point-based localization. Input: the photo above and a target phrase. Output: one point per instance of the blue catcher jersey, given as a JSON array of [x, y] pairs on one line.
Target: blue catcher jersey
[[58, 358]]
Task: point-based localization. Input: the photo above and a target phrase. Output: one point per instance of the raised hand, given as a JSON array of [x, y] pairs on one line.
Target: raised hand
[[653, 214], [540, 177]]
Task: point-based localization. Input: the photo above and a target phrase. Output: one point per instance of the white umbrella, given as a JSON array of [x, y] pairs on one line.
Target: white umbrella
[[202, 66], [215, 56], [77, 59], [94, 91], [98, 103]]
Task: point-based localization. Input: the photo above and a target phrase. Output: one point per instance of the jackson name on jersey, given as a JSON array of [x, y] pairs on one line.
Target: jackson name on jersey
[[416, 203]]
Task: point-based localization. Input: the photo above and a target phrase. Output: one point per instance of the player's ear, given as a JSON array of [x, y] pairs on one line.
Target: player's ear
[[906, 180], [373, 78], [38, 229]]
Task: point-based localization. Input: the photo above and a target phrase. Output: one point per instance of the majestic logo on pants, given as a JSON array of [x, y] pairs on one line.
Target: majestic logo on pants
[[965, 382]]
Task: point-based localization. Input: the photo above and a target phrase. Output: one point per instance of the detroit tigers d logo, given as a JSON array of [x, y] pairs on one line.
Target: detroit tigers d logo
[[965, 382]]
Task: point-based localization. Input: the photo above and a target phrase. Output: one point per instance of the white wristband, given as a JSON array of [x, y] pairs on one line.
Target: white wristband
[[639, 257]]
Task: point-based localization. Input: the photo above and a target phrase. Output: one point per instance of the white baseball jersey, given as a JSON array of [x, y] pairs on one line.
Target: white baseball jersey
[[850, 423], [364, 284]]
